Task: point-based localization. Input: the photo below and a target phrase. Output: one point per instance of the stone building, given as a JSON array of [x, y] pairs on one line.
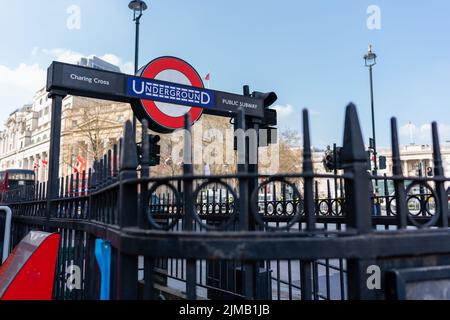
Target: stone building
[[88, 128], [414, 156]]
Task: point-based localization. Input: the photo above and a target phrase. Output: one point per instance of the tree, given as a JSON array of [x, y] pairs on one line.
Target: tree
[[290, 152], [91, 127]]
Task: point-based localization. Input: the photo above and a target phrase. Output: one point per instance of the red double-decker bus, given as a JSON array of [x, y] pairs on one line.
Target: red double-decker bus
[[16, 180]]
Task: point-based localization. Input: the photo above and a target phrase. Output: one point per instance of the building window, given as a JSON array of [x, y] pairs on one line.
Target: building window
[[46, 110], [40, 114]]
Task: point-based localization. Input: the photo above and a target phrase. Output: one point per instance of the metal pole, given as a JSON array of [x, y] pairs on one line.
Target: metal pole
[[54, 152], [136, 65], [375, 162], [7, 236], [136, 48]]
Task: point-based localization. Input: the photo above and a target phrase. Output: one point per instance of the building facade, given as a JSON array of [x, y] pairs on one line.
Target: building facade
[[88, 128], [97, 63], [24, 142], [415, 157]]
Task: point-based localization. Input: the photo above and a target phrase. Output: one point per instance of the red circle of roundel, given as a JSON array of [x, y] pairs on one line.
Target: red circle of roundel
[[171, 63]]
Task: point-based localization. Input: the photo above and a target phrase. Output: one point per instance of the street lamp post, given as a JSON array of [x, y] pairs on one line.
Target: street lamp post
[[371, 60], [138, 7]]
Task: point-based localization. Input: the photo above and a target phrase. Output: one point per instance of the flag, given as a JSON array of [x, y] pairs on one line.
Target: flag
[[35, 165], [44, 163], [77, 166], [208, 77], [80, 165]]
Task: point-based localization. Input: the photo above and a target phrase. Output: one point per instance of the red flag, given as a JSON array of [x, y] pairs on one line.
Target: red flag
[[81, 165], [208, 77], [44, 163]]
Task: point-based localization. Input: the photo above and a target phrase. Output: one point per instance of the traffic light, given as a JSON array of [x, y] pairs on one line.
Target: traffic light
[[332, 160], [154, 152], [268, 122], [269, 98], [382, 163], [270, 116], [328, 162]]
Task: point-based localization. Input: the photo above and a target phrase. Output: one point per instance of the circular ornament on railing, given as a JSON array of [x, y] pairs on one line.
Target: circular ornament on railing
[[155, 207], [270, 208], [295, 208], [392, 207], [324, 208], [229, 208], [422, 206], [336, 208], [429, 202]]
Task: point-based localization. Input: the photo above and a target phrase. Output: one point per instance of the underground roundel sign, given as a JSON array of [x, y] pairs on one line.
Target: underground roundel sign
[[165, 105]]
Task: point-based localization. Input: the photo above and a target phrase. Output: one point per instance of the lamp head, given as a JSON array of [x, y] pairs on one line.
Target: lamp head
[[138, 7], [370, 58]]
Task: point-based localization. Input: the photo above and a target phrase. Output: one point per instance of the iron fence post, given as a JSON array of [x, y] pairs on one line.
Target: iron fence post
[[442, 200], [54, 152], [127, 265], [244, 203], [149, 262], [306, 266], [357, 201], [188, 171]]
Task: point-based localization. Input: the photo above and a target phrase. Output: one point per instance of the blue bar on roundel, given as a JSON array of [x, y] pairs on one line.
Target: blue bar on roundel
[[155, 90]]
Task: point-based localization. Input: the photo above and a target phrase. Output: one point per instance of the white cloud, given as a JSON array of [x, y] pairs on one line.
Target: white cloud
[[284, 112], [289, 116], [35, 51], [421, 134], [127, 67], [63, 55], [111, 58], [70, 56], [18, 86]]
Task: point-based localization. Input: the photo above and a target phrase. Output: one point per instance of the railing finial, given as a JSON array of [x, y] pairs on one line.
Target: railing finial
[[353, 150], [128, 152]]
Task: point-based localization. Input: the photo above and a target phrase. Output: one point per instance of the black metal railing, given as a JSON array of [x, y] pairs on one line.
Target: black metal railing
[[240, 236]]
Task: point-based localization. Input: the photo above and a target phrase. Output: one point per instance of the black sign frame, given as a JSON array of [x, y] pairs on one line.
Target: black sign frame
[[107, 85], [67, 79]]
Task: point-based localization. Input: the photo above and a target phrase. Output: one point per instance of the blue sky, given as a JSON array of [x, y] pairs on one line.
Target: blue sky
[[309, 52]]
